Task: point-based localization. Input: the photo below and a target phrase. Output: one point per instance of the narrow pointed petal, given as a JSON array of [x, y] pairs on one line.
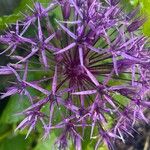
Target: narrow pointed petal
[[11, 91], [81, 56], [40, 34], [146, 103], [25, 72], [16, 57], [29, 96], [93, 126], [25, 28], [5, 70], [115, 65], [124, 55], [7, 49], [133, 75], [109, 100], [27, 40], [143, 116], [131, 41], [77, 134], [38, 104], [54, 83], [28, 56], [97, 50], [77, 8], [67, 30], [66, 48], [92, 77], [89, 92], [17, 28], [78, 144], [12, 50], [49, 38], [15, 73], [30, 129], [97, 144], [51, 114], [46, 92], [22, 123], [16, 66], [44, 58], [113, 135], [71, 22], [121, 87]]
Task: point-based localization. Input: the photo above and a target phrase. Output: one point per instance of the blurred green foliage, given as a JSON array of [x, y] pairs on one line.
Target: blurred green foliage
[[145, 11], [16, 8]]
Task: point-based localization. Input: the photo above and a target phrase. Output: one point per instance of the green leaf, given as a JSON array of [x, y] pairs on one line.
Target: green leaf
[[47, 144], [15, 105], [146, 11], [17, 13], [14, 143], [8, 6]]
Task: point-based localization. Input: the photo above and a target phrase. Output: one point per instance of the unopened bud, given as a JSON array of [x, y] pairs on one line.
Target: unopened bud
[[66, 9]]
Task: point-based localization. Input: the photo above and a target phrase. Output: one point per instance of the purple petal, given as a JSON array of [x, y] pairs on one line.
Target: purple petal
[[37, 88], [34, 50], [44, 58], [91, 76], [133, 74], [124, 55], [66, 48], [29, 131], [49, 38], [77, 8], [131, 41], [28, 95], [25, 71], [5, 70], [51, 114], [26, 40], [97, 50], [26, 27], [78, 143], [81, 56], [7, 49], [15, 73], [109, 100], [16, 57], [40, 34], [71, 22], [12, 50], [89, 92], [119, 87], [54, 83], [115, 65], [11, 91], [16, 66], [22, 124], [67, 30], [38, 104]]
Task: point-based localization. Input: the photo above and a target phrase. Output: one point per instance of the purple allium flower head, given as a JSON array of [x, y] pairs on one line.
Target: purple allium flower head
[[96, 65]]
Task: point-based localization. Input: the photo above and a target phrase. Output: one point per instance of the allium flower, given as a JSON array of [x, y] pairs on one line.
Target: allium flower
[[97, 67]]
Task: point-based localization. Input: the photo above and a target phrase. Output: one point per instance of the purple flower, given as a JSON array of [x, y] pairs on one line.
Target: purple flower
[[97, 64]]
